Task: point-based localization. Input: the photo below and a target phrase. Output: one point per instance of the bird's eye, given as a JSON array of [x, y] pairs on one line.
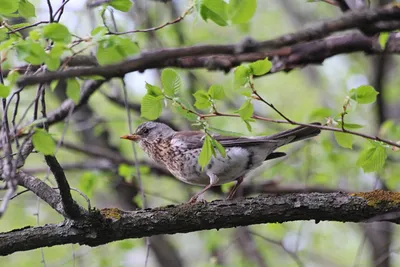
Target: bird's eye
[[145, 131]]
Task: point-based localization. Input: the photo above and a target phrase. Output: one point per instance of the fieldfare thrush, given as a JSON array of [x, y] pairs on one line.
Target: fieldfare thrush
[[179, 152]]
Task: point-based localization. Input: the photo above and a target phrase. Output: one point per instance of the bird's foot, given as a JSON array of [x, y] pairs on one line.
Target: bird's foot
[[196, 199]]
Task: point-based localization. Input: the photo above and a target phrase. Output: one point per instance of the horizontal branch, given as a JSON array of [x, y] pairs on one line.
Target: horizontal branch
[[112, 224], [158, 58]]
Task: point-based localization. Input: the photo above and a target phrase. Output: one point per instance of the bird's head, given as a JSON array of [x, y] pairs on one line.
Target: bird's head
[[149, 132]]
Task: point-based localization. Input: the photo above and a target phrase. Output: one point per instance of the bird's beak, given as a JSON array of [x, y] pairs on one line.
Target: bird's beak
[[132, 137]]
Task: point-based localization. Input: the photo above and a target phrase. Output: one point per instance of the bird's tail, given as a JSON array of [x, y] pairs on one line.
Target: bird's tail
[[299, 133]]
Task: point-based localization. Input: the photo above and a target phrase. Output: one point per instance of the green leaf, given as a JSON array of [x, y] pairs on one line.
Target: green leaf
[[202, 100], [73, 90], [206, 152], [350, 125], [171, 82], [344, 140], [52, 63], [153, 90], [260, 67], [125, 171], [4, 90], [114, 49], [34, 35], [248, 125], [246, 110], [26, 9], [43, 142], [57, 32], [364, 94], [241, 75], [241, 11], [219, 147], [216, 92], [372, 158], [31, 52], [121, 5], [99, 31], [215, 10], [383, 38], [3, 34], [12, 77], [8, 6], [151, 107]]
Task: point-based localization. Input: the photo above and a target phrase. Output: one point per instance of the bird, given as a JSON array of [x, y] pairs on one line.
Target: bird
[[178, 151]]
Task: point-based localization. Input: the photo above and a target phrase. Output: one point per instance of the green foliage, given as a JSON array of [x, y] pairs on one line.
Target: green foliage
[[31, 52], [219, 147], [241, 75], [43, 142], [113, 49], [364, 94], [241, 11], [151, 107], [121, 5], [344, 140], [246, 110], [206, 152], [8, 7], [373, 157], [223, 14], [4, 90], [216, 92], [171, 82], [202, 100], [73, 90], [57, 32], [215, 10], [260, 67], [26, 9], [153, 90]]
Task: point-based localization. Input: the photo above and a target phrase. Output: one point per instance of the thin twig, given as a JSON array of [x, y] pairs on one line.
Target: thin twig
[[178, 19]]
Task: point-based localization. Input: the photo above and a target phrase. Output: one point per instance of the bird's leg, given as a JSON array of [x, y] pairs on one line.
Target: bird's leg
[[213, 182], [235, 188]]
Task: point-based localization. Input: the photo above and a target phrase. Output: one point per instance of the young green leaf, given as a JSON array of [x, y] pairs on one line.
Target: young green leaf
[[185, 111], [344, 140], [350, 125], [215, 10], [31, 52], [372, 158], [219, 147], [246, 110], [241, 75], [216, 92], [4, 90], [52, 63], [171, 82], [153, 90], [26, 9], [206, 152], [202, 100], [8, 6], [383, 38], [364, 94], [114, 49], [241, 11], [151, 107], [57, 32], [121, 5], [260, 67], [73, 90], [43, 142]]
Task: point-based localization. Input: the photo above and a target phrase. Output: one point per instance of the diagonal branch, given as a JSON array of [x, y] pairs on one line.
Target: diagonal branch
[[113, 224], [71, 208]]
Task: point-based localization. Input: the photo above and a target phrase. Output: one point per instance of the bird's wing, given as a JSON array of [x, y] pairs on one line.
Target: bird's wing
[[195, 139]]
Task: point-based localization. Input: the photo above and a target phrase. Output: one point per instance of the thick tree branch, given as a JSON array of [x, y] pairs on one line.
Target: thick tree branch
[[389, 16], [71, 208], [113, 224]]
